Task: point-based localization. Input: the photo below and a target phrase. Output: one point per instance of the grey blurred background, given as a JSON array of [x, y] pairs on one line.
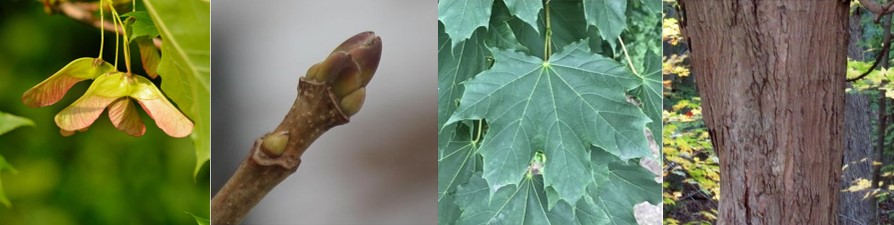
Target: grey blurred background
[[380, 168]]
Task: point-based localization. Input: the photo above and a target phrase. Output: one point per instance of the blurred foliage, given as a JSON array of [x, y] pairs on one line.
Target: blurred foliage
[[98, 177], [872, 84], [691, 167]]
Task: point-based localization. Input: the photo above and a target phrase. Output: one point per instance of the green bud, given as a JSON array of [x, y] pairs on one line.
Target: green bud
[[274, 144], [312, 72], [347, 82], [332, 66], [352, 103]]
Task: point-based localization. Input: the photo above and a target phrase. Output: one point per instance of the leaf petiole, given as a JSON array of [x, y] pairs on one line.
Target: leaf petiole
[[623, 47]]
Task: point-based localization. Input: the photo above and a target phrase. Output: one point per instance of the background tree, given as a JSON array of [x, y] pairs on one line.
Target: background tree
[[856, 207]]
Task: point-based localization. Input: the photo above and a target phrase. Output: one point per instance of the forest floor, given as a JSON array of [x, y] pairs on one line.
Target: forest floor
[[696, 202], [689, 208], [884, 210]]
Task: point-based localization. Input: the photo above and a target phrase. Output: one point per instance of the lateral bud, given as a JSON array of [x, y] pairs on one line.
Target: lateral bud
[[274, 144], [352, 103]]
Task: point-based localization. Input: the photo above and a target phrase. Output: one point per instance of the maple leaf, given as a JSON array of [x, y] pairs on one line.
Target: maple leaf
[[462, 17], [617, 184], [562, 107]]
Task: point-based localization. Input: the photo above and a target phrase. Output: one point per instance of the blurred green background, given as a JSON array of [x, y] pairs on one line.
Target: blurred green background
[[102, 176]]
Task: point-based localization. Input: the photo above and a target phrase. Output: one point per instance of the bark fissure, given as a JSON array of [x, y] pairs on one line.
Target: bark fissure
[[772, 91]]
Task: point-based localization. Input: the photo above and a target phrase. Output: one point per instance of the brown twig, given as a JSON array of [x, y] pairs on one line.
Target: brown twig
[[877, 8], [83, 12], [315, 111], [886, 47], [329, 93]]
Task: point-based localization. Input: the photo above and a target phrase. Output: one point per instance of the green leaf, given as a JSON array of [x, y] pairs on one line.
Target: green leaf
[[4, 166], [200, 220], [448, 211], [521, 204], [568, 26], [8, 122], [501, 36], [568, 23], [653, 6], [607, 16], [456, 161], [142, 25], [526, 10], [626, 184], [562, 107], [455, 65], [455, 150], [617, 187], [185, 26], [649, 92], [462, 17]]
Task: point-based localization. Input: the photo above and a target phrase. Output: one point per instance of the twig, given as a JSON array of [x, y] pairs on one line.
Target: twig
[[83, 12], [877, 8], [328, 95], [886, 47], [314, 112]]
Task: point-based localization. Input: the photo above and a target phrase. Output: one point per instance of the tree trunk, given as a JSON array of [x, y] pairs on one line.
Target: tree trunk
[[853, 208], [771, 78]]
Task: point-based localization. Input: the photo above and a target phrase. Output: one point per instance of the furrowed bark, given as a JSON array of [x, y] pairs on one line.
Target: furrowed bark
[[771, 77], [314, 112]]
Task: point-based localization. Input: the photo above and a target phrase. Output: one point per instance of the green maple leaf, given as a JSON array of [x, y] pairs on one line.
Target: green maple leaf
[[608, 16], [521, 204], [568, 25], [462, 17], [526, 10], [455, 65], [185, 64], [562, 107], [649, 92], [617, 186], [501, 36], [455, 150], [456, 163], [142, 25], [622, 185]]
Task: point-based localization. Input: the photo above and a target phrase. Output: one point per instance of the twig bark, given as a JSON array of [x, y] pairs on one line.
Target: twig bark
[[83, 12], [878, 9], [315, 111]]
